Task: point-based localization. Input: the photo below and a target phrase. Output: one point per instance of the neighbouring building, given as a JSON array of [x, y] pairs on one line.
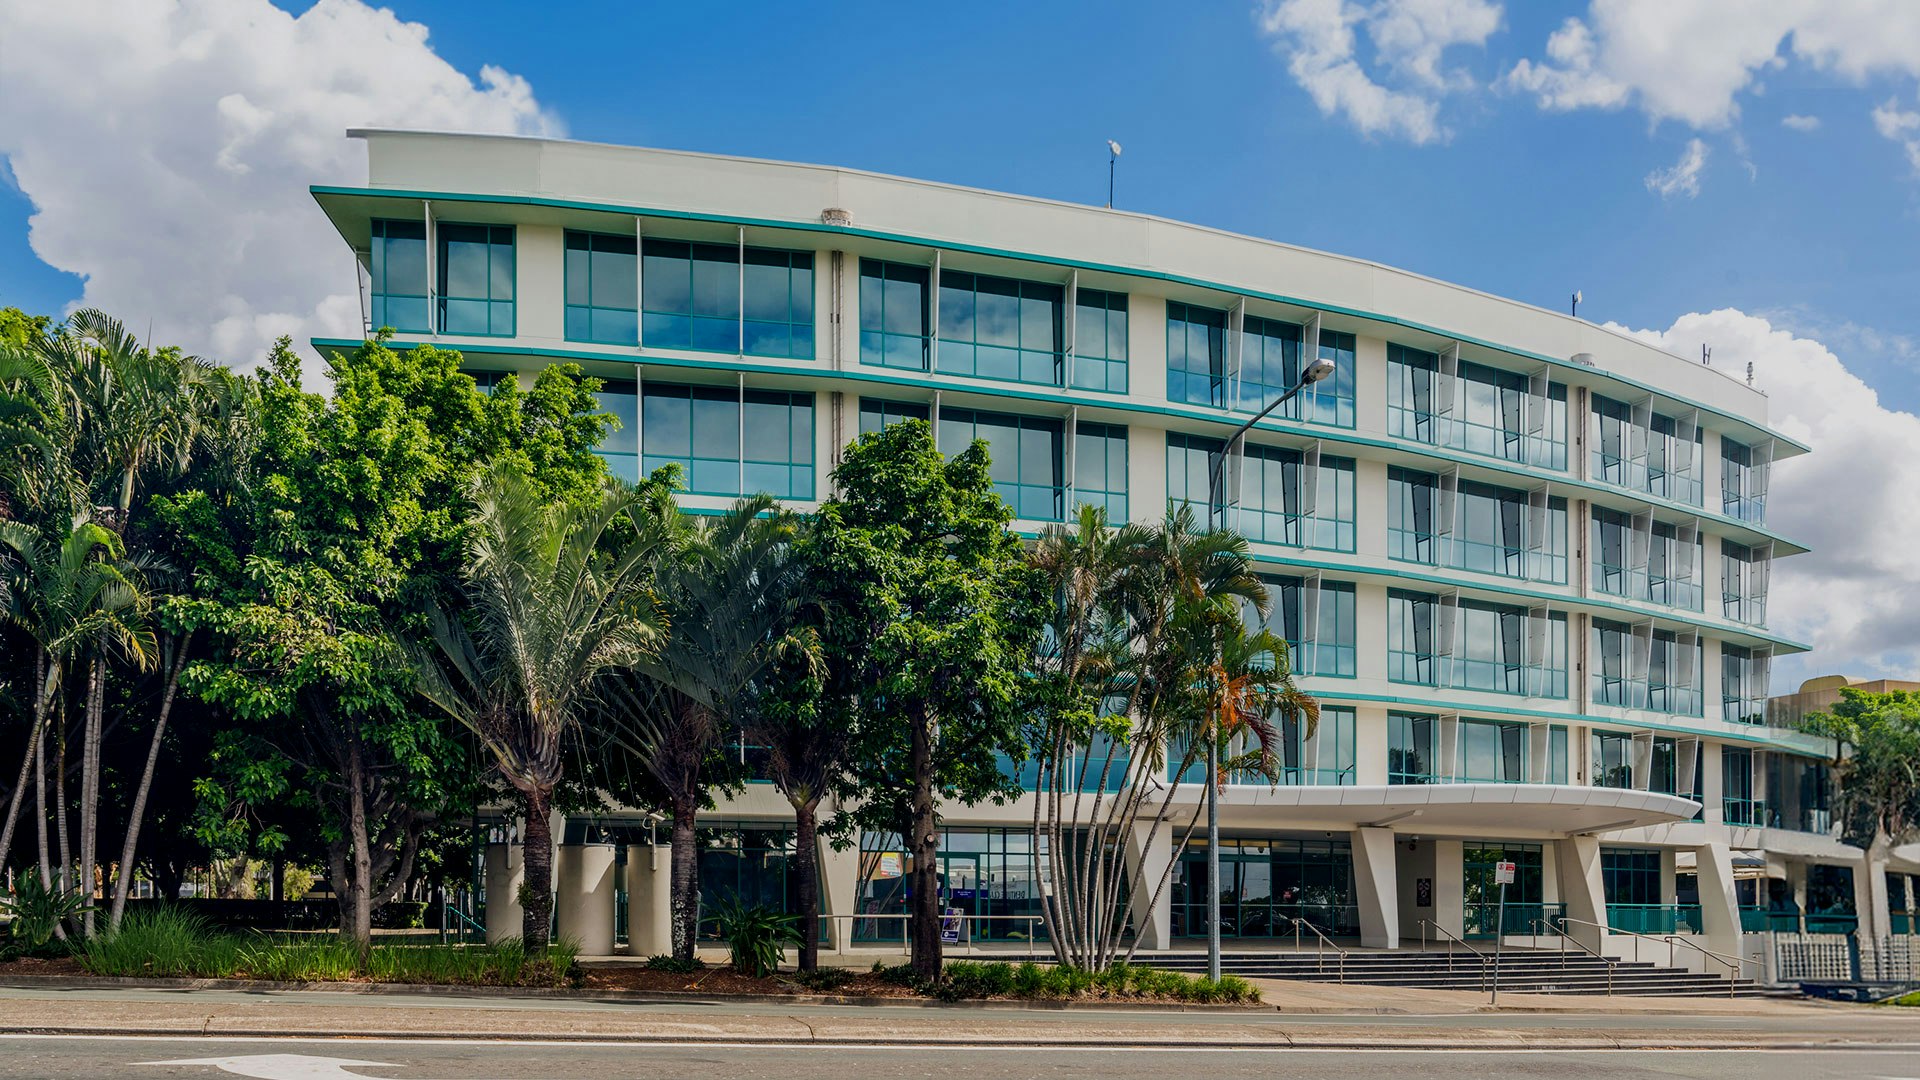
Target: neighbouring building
[[1522, 560]]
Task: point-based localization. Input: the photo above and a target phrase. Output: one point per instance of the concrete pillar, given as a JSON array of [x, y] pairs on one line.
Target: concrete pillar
[[649, 899], [1870, 897], [1719, 905], [1370, 746], [1376, 888], [1416, 865], [506, 872], [1148, 868], [583, 909], [1582, 889], [1712, 779], [840, 891], [1450, 886]]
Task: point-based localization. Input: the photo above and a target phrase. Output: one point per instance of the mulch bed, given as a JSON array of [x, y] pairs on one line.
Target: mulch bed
[[721, 980], [31, 965]]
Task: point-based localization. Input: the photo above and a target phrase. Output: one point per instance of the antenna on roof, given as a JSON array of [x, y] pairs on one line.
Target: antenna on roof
[[1113, 155], [1749, 373], [1706, 355], [1574, 310]]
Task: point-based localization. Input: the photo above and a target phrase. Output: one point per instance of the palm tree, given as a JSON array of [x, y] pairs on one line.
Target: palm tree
[[67, 598], [547, 611], [729, 590]]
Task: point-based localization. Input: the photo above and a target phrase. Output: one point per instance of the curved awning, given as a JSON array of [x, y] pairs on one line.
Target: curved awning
[[1511, 811]]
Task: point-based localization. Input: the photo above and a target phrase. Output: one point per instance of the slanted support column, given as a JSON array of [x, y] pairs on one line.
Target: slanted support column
[[839, 891], [1147, 867], [1376, 888], [1719, 905], [1870, 894], [1582, 889]]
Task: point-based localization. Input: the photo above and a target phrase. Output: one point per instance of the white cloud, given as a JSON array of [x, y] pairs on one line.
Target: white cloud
[[1797, 122], [1902, 127], [1856, 596], [1691, 61], [167, 149], [1683, 178], [1408, 37]]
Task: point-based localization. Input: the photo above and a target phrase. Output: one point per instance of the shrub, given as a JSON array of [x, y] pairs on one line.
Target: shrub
[[757, 936], [966, 979], [38, 909], [674, 964], [826, 978], [162, 941]]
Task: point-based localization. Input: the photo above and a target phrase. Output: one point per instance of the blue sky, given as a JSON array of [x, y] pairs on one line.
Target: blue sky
[[1637, 150], [1520, 202]]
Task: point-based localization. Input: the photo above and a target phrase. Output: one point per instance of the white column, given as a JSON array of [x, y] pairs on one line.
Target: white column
[[584, 911], [1376, 887], [1450, 887], [1719, 904], [649, 899], [1581, 888], [506, 872], [1870, 896], [1148, 868]]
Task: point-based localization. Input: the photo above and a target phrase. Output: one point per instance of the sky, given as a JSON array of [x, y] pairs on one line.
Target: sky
[[1743, 174]]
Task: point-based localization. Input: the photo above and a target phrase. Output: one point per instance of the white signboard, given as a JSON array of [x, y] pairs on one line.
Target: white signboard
[[1503, 873]]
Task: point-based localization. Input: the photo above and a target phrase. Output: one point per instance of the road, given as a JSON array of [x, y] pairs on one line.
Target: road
[[304, 1059]]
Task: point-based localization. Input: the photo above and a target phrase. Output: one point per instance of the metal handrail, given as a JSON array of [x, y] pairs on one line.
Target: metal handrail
[[1451, 936], [1733, 962], [1320, 951], [1558, 927]]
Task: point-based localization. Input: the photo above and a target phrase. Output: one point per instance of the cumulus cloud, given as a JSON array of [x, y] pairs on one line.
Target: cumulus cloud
[[1797, 122], [1409, 38], [1902, 126], [1856, 596], [1692, 61], [167, 148], [1683, 177]]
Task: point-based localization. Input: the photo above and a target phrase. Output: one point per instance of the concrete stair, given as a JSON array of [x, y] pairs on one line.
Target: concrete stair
[[1529, 971]]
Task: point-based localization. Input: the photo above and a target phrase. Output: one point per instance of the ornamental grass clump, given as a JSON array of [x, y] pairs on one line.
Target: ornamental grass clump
[[963, 980]]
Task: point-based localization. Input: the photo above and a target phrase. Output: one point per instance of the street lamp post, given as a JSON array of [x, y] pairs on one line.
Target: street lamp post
[[1319, 369]]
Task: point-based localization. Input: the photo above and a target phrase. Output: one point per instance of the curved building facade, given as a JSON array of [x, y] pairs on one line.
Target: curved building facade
[[1523, 560]]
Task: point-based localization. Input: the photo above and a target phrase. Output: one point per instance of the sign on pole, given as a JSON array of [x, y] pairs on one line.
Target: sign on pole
[[1503, 873]]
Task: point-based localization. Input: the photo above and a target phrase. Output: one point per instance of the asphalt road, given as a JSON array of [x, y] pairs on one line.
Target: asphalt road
[[285, 1059]]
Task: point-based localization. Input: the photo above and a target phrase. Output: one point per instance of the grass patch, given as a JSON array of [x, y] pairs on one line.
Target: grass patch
[[170, 942], [966, 979], [1911, 1000]]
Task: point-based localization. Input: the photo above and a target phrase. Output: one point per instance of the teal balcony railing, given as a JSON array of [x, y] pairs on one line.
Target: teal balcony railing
[[1479, 919], [1655, 918]]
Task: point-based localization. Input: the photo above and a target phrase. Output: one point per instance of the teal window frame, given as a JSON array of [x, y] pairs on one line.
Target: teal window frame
[[1413, 529], [1736, 481], [1557, 753], [692, 299], [602, 296], [1413, 743], [620, 447], [1737, 601], [1270, 477], [1100, 468], [877, 414], [1100, 341], [1492, 751], [1197, 351], [1612, 465], [1331, 650], [895, 314], [1740, 702], [397, 277], [771, 433], [460, 297], [1613, 683], [1196, 355], [1487, 416], [1612, 759], [1414, 657], [1611, 535], [1001, 328], [1630, 876], [1030, 499]]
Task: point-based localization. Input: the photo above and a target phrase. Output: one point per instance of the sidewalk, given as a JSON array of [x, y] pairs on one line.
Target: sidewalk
[[1428, 1021]]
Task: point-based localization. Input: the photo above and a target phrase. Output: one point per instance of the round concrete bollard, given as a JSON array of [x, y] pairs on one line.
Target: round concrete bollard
[[649, 895], [506, 872], [584, 911]]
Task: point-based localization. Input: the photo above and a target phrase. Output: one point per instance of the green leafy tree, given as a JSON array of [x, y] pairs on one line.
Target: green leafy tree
[[546, 610], [939, 617], [1877, 763]]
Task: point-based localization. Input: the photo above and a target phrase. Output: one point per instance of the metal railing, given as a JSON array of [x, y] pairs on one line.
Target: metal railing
[[1557, 925], [458, 929], [1426, 924], [1320, 951], [1671, 941]]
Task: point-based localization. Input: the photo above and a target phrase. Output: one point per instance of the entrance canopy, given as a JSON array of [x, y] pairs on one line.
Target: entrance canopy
[[1508, 810]]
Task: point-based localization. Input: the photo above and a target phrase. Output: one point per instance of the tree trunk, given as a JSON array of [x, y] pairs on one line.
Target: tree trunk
[[90, 784], [60, 799], [138, 812], [20, 787], [685, 905], [806, 867], [358, 901], [536, 891], [40, 801], [924, 843]]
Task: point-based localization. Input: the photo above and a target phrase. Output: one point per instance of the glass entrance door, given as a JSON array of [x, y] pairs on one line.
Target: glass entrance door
[[1525, 897]]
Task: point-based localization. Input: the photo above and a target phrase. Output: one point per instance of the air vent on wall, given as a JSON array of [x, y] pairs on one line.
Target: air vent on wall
[[1584, 359], [833, 215]]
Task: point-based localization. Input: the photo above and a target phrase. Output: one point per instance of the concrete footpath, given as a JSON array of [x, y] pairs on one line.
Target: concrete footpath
[[1297, 1017]]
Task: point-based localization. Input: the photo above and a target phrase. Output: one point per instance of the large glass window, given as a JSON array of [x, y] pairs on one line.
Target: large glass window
[[1740, 495], [1493, 751], [1265, 884], [1655, 459], [729, 443], [1738, 806], [894, 313], [1557, 754], [476, 279], [1491, 647], [1612, 759], [1670, 681], [1271, 506], [691, 299], [1743, 685], [1483, 900], [1630, 876], [1326, 647], [1656, 563], [876, 413], [621, 447], [1798, 793], [603, 300], [1100, 468], [1196, 355], [1743, 583], [1100, 341], [1000, 328], [989, 873], [1483, 411], [397, 265], [1026, 454], [1198, 369], [1411, 749], [1494, 530]]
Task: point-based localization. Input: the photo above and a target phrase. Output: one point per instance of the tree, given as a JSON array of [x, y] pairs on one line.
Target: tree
[[729, 590], [546, 612], [940, 617], [1877, 762]]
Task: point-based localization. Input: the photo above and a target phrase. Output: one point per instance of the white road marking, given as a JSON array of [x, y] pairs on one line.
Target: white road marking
[[280, 1066]]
